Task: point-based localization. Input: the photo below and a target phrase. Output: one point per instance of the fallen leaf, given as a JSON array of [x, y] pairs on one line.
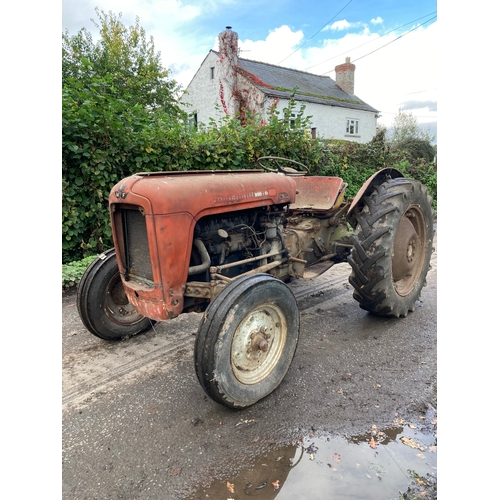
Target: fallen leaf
[[335, 457], [175, 472], [311, 456], [411, 426], [276, 484], [373, 444], [420, 455], [241, 422], [230, 487], [412, 444]]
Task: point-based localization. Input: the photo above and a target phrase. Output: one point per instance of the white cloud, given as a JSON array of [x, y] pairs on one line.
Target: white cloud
[[278, 45], [389, 71], [377, 20], [339, 25]]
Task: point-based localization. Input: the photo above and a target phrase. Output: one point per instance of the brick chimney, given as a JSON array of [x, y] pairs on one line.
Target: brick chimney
[[345, 76], [228, 60]]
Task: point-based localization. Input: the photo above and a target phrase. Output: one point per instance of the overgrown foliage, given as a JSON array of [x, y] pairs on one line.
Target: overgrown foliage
[[125, 58], [406, 126], [414, 150], [72, 272], [114, 92]]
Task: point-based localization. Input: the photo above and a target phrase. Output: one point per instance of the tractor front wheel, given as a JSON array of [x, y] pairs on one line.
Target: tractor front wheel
[[102, 304], [392, 247], [247, 340]]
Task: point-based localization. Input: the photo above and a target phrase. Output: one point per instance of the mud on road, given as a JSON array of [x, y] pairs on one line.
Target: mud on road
[[137, 425]]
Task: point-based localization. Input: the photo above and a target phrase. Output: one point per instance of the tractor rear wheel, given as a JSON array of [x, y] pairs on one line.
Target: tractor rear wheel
[[102, 304], [392, 247], [247, 340]]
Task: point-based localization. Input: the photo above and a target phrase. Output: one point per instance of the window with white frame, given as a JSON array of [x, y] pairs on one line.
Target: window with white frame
[[352, 126]]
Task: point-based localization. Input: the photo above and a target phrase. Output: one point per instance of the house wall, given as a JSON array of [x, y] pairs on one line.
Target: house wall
[[203, 92], [330, 121]]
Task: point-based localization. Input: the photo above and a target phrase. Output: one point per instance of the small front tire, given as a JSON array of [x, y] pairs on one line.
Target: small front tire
[[102, 304], [247, 340]]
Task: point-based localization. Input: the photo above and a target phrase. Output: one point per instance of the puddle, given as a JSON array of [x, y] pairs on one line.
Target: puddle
[[375, 466]]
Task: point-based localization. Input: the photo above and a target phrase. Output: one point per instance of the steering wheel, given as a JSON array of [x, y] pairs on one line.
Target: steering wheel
[[280, 168]]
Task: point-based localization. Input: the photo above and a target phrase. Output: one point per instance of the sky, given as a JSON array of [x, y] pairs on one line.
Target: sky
[[392, 43]]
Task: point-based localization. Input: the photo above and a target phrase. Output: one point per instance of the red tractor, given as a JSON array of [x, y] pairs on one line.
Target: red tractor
[[225, 243]]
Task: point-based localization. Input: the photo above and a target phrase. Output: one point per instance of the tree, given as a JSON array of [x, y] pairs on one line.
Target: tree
[[405, 126], [117, 100], [125, 58]]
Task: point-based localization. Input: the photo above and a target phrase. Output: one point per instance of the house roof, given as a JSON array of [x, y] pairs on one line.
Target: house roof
[[277, 81]]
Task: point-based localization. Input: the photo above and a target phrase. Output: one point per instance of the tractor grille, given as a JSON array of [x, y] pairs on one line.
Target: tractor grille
[[136, 249]]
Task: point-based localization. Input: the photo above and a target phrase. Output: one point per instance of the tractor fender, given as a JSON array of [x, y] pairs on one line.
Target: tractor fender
[[366, 189]]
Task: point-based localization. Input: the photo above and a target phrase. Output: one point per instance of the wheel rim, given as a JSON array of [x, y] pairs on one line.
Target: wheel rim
[[409, 250], [258, 344], [116, 305]]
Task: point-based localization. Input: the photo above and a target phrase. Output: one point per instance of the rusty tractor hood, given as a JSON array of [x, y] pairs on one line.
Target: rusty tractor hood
[[203, 192]]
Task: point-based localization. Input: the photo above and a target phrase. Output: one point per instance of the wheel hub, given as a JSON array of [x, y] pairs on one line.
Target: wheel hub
[[116, 304], [406, 244], [259, 341], [257, 344], [408, 251]]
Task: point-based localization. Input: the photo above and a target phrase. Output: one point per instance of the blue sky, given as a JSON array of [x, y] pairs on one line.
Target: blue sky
[[392, 43]]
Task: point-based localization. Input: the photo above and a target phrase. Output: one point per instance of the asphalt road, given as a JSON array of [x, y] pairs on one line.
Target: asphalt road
[[137, 425]]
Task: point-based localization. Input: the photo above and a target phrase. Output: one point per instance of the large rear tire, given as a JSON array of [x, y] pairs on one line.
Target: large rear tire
[[247, 340], [102, 304], [392, 247]]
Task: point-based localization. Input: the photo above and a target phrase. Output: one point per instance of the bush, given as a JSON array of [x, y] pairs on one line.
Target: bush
[[72, 273], [355, 163], [414, 150]]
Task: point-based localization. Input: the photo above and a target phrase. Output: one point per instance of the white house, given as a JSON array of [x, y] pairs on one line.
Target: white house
[[226, 83]]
